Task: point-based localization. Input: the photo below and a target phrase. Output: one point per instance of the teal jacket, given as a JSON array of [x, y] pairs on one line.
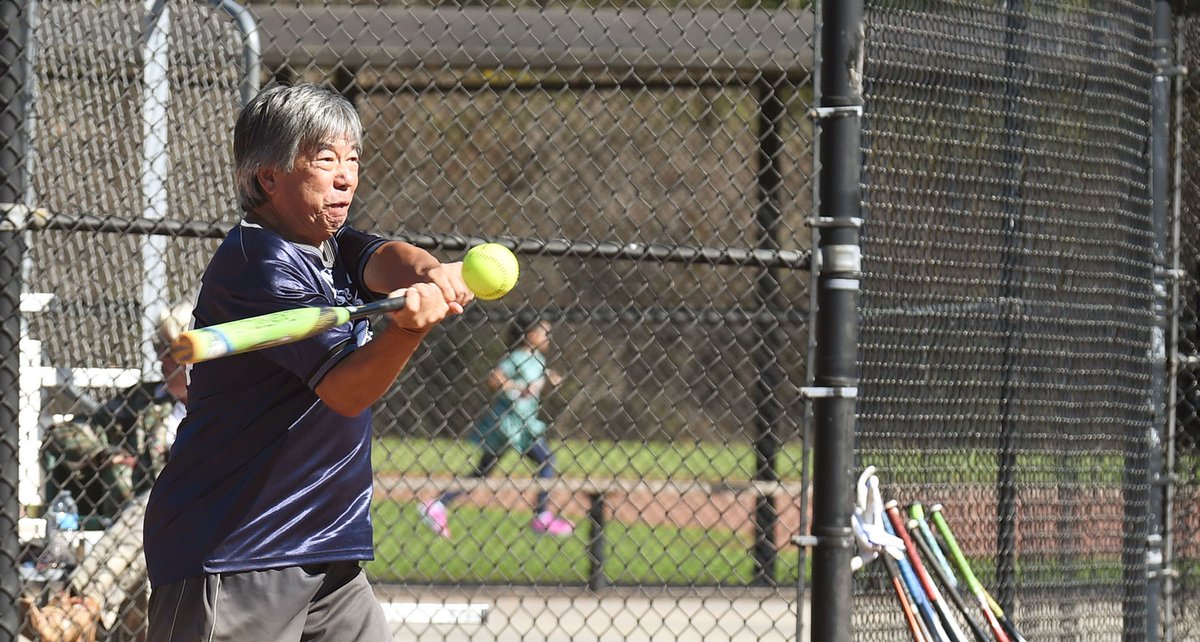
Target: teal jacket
[[512, 420]]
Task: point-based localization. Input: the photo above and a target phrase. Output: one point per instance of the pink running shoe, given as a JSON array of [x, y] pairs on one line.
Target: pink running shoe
[[435, 517], [545, 523]]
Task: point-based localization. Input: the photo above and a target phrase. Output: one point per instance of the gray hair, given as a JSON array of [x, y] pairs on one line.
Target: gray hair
[[279, 124]]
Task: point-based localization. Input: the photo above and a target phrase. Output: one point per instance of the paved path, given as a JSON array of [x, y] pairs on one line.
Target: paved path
[[625, 615]]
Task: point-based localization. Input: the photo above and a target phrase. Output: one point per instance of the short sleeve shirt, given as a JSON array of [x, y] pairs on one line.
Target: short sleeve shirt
[[262, 474], [512, 421]]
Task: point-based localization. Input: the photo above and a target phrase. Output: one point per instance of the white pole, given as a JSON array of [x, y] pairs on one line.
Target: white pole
[[155, 166]]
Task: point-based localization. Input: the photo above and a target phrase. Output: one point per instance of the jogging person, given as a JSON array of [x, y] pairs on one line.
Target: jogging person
[[512, 423]]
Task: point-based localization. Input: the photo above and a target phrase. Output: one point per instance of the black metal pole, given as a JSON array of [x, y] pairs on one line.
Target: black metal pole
[[1012, 292], [596, 548], [1174, 320], [835, 371], [767, 402], [13, 96], [1149, 542]]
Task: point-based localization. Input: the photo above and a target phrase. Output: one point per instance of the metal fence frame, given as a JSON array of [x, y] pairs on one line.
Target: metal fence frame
[[688, 49]]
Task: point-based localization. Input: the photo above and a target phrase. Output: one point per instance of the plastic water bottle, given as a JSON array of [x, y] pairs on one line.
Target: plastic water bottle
[[62, 526], [65, 511]]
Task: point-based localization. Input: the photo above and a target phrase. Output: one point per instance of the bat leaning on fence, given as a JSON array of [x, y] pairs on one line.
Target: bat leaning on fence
[[928, 544], [1011, 629], [907, 608], [945, 618], [930, 625], [1004, 632], [923, 538]]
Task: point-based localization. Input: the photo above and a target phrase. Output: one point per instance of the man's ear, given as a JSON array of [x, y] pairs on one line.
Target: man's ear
[[267, 177]]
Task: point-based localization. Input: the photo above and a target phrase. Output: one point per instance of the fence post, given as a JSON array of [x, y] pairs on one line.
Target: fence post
[[769, 408], [13, 152], [1013, 297], [837, 261], [1174, 311], [597, 555], [1160, 197]]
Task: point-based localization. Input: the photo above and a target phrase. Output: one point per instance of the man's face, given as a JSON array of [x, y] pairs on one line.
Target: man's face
[[311, 201]]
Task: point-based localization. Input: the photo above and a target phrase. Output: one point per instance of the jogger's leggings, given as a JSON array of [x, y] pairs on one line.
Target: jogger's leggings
[[539, 452]]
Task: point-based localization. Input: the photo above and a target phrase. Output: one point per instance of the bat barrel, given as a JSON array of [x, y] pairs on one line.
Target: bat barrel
[[255, 333], [195, 346], [271, 329]]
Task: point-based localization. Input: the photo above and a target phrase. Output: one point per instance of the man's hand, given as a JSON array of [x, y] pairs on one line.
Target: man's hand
[[424, 307], [448, 278], [65, 618], [124, 459]]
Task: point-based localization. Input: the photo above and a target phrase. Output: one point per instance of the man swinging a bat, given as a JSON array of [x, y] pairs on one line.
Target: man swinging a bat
[[256, 526]]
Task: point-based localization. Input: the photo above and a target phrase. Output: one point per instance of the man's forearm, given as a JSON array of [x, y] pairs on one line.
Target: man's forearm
[[366, 374], [397, 265]]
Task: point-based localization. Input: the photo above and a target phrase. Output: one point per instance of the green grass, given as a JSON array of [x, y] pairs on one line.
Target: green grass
[[717, 462], [493, 545], [577, 458], [496, 546], [982, 467]]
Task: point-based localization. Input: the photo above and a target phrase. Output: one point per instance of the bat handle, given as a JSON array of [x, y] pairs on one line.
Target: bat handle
[[377, 307]]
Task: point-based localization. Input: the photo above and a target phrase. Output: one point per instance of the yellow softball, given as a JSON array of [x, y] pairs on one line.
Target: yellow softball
[[490, 270]]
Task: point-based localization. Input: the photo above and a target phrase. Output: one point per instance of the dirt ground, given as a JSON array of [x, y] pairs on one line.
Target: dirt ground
[[1051, 519]]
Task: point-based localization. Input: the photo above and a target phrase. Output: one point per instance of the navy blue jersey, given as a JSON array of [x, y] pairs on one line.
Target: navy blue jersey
[[263, 474]]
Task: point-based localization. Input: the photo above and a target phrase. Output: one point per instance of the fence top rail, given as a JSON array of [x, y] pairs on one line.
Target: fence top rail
[[746, 43]]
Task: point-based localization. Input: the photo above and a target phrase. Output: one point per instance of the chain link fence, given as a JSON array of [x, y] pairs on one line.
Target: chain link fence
[[652, 165], [1182, 546], [1007, 306]]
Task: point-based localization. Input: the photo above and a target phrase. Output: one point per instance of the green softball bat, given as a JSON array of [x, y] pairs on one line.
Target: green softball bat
[[266, 330]]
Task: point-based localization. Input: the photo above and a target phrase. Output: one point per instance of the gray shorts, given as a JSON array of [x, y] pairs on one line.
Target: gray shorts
[[327, 602]]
